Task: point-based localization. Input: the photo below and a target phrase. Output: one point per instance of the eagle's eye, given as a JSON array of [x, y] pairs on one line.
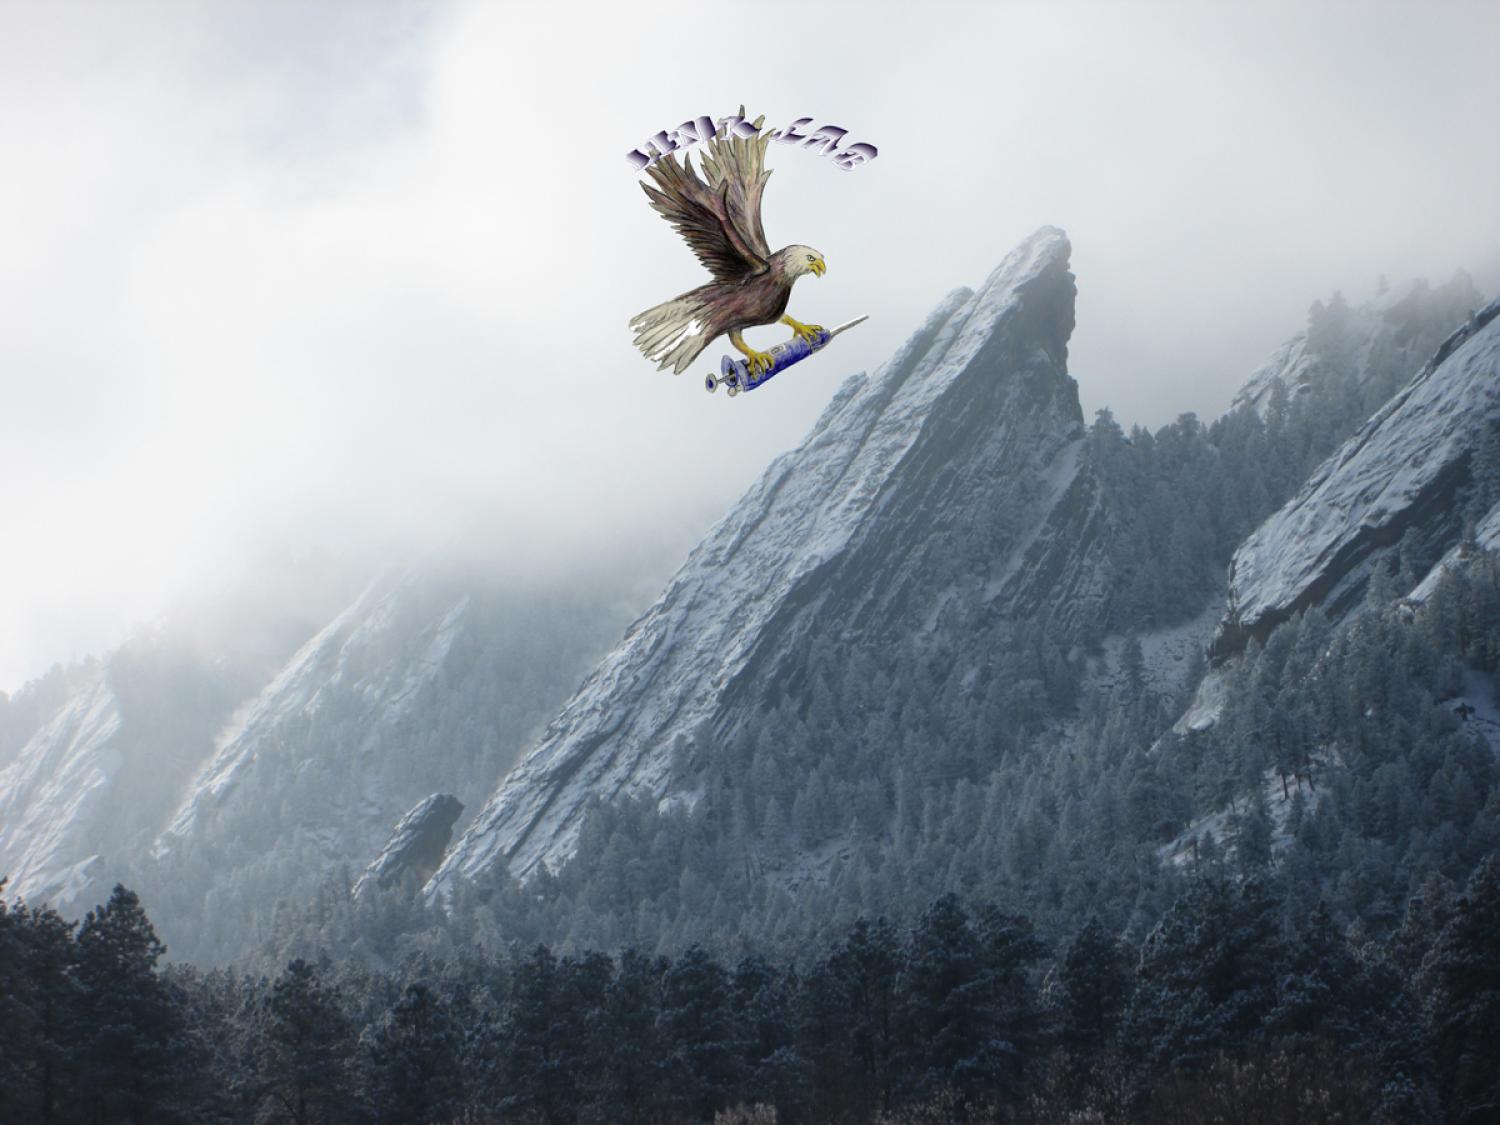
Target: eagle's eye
[[810, 258]]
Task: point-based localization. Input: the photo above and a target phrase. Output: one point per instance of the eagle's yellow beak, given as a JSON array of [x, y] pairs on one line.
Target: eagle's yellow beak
[[819, 267]]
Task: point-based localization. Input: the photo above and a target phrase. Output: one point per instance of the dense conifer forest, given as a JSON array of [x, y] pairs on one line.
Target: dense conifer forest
[[934, 884], [1239, 1004]]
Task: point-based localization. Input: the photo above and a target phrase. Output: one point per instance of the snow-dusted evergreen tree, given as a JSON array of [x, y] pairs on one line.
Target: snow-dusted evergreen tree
[[412, 1059], [39, 994], [1463, 971], [631, 1062], [855, 1013], [1093, 986], [699, 1037], [1207, 973], [124, 1027], [308, 1048]]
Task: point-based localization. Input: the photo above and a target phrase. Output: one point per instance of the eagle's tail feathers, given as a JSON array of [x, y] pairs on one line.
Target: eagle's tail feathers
[[674, 332]]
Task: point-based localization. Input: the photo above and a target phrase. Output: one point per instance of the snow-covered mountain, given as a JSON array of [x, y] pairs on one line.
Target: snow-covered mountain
[[1402, 476], [358, 676], [427, 682], [1378, 343], [1417, 486], [943, 490], [241, 755], [944, 514], [100, 751], [53, 790], [939, 590]]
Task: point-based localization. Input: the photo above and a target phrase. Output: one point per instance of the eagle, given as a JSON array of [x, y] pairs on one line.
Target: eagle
[[718, 216]]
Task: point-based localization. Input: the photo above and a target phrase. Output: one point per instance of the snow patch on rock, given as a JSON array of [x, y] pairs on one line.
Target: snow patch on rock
[[361, 651], [49, 790], [1220, 825], [1399, 471]]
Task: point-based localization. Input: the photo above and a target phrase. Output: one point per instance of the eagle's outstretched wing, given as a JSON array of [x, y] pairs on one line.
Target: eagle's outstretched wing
[[719, 219], [741, 163]]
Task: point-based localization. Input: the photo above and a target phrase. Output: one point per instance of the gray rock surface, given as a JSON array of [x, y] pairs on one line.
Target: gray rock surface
[[1402, 472], [417, 845], [932, 498]]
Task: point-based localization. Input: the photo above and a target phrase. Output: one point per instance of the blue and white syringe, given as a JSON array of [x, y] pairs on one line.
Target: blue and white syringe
[[735, 373]]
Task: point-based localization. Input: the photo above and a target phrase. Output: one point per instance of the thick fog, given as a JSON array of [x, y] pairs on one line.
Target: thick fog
[[356, 279]]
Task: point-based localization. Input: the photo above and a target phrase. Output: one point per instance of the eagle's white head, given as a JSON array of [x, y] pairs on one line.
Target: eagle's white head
[[803, 259]]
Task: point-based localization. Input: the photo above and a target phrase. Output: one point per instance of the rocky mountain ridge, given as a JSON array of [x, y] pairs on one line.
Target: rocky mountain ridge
[[893, 485]]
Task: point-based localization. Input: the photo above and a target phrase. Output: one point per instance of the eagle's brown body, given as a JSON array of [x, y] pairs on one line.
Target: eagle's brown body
[[720, 220], [759, 298]]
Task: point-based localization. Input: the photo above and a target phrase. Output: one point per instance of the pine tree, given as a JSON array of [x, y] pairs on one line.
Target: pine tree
[[1009, 950], [766, 1020], [307, 1047], [862, 1005], [18, 1037], [547, 1030], [1094, 985], [628, 1025], [700, 1044], [54, 993], [413, 1058], [1252, 834], [1206, 977], [1428, 912], [582, 985], [124, 1022], [952, 1038], [1311, 987], [1463, 972]]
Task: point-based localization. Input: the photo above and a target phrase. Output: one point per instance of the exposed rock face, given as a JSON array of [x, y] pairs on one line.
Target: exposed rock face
[[48, 797], [86, 790], [417, 845], [1401, 473], [935, 504], [362, 671], [940, 495], [1382, 341], [1486, 538], [428, 681], [219, 765]]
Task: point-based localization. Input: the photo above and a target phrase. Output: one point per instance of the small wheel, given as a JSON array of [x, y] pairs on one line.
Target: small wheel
[[733, 391]]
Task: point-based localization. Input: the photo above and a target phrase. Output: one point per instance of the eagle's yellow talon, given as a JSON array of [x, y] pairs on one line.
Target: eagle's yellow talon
[[808, 332], [757, 362]]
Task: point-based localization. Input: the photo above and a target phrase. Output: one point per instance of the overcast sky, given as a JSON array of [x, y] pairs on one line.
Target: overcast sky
[[353, 277]]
